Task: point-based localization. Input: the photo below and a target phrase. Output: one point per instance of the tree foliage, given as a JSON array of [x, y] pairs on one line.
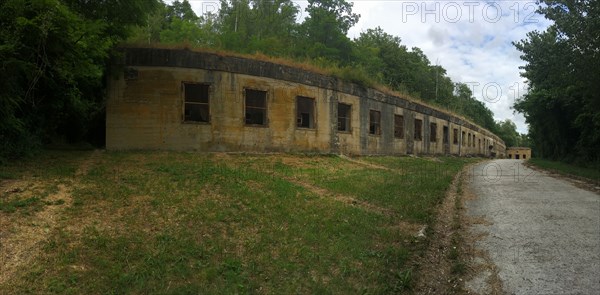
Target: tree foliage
[[508, 131], [272, 28], [385, 58], [324, 30], [54, 55], [563, 102]]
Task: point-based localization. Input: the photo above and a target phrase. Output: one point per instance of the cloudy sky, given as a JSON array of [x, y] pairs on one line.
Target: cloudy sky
[[470, 39]]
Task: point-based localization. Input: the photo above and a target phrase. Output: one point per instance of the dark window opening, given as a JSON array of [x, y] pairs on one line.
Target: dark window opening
[[469, 140], [418, 129], [305, 112], [455, 136], [131, 74], [196, 103], [517, 157], [398, 126], [374, 122], [463, 138], [256, 107], [344, 115], [524, 157], [446, 138], [432, 132]]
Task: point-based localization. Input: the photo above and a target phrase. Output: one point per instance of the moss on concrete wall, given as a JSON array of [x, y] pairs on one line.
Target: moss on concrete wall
[[145, 109]]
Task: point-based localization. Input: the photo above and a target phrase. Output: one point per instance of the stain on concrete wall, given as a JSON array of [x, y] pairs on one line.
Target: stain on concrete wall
[[146, 110]]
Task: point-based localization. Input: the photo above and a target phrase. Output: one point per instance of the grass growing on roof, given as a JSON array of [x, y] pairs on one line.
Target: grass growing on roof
[[319, 66]]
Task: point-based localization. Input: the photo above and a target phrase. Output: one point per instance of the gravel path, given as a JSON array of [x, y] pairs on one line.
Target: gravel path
[[542, 233]]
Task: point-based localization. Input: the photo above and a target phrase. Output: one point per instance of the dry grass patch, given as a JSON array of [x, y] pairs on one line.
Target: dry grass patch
[[32, 206], [161, 222]]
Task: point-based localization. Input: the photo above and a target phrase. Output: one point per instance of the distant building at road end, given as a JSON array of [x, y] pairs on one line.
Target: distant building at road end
[[518, 153], [177, 99]]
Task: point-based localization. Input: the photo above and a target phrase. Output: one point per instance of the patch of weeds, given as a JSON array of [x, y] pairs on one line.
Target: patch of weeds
[[209, 223], [56, 203], [459, 268], [458, 265], [23, 202], [282, 168], [12, 205], [402, 281], [453, 254], [590, 173], [61, 170], [4, 174], [46, 164], [232, 271], [77, 201], [412, 187]]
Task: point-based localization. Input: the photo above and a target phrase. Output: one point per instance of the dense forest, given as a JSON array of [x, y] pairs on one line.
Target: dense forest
[[55, 56], [562, 106]]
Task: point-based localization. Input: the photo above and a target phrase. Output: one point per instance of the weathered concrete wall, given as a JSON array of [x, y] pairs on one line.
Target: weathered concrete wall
[[146, 102], [518, 153]]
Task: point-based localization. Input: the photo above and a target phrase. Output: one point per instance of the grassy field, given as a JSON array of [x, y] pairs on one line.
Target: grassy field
[[189, 223], [567, 169]]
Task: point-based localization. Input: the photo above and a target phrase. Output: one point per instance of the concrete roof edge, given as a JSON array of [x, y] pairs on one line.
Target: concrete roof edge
[[211, 60]]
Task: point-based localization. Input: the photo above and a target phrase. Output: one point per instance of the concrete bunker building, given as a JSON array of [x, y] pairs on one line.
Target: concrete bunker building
[[176, 99], [517, 153]]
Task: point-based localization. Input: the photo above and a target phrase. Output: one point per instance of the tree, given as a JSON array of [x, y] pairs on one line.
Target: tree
[[381, 54], [181, 11], [177, 23], [258, 26], [324, 30], [563, 102], [54, 55], [507, 130], [463, 102], [384, 57]]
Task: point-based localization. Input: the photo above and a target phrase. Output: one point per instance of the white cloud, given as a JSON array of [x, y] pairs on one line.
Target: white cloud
[[470, 39]]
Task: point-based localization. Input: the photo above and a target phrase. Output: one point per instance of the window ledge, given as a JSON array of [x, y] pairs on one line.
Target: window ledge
[[195, 123]]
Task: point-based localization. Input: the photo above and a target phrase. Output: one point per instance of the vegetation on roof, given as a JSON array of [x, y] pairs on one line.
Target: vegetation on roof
[[56, 53], [270, 30]]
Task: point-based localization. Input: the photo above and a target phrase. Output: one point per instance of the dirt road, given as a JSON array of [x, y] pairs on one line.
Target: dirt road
[[541, 233]]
